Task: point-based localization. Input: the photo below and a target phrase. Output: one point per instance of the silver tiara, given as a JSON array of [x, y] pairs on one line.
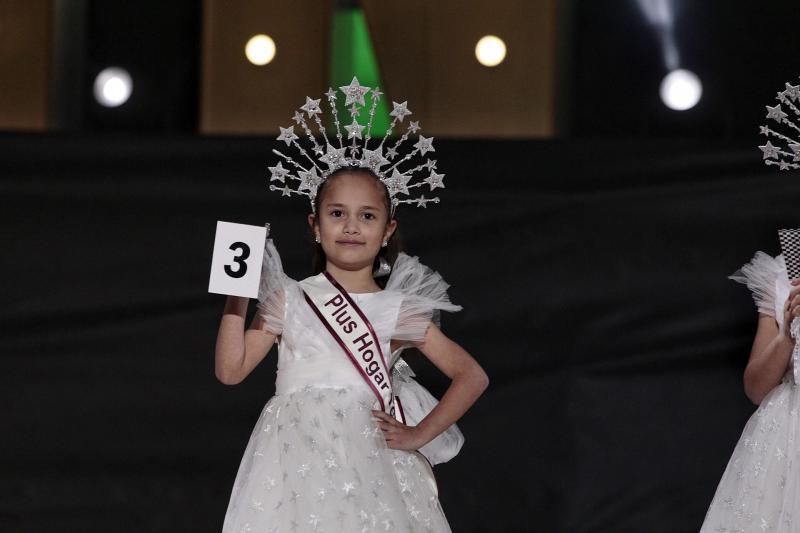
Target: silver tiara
[[786, 152], [318, 161]]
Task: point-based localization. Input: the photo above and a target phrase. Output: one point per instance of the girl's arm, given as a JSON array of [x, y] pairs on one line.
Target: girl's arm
[[772, 350], [238, 351], [468, 381]]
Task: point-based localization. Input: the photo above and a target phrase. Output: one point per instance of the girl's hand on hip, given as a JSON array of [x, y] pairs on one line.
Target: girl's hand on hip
[[398, 435]]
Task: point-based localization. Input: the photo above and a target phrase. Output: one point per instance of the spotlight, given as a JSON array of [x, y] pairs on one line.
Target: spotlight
[[490, 51], [112, 87], [260, 49], [681, 90]]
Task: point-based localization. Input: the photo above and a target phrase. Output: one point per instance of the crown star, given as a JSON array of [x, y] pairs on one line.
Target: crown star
[[400, 111], [287, 135], [792, 91], [398, 182], [435, 180], [374, 158], [424, 145], [413, 126], [354, 92], [770, 151], [354, 130], [278, 173], [776, 113], [311, 107]]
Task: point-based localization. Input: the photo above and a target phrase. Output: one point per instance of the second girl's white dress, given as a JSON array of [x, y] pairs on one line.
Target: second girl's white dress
[[317, 461], [760, 489]]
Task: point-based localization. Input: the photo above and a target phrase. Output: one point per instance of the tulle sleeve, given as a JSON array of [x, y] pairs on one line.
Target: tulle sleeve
[[424, 296], [760, 276], [272, 290]]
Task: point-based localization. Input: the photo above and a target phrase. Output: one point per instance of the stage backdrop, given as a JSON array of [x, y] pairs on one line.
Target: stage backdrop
[[593, 280]]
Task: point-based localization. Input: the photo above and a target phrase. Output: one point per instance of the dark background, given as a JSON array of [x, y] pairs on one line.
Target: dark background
[[592, 270]]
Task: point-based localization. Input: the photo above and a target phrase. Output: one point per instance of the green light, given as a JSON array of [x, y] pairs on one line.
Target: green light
[[353, 55]]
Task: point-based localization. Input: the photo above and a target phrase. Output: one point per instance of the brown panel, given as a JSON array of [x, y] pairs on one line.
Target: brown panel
[[237, 97], [24, 63], [426, 51]]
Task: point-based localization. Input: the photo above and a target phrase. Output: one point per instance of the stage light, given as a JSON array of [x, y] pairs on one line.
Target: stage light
[[112, 87], [490, 51], [681, 90], [260, 49]]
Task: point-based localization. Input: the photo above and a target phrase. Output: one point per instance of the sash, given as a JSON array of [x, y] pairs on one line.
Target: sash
[[353, 332]]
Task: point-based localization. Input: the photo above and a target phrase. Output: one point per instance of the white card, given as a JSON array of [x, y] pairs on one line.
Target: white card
[[236, 263]]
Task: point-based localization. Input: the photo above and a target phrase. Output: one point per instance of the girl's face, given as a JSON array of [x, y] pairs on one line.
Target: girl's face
[[352, 222]]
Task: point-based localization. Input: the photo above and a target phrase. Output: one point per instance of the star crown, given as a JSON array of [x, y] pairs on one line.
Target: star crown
[[397, 172], [785, 154]]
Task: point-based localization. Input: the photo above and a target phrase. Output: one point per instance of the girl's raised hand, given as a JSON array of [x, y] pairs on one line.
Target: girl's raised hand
[[791, 308], [398, 435]]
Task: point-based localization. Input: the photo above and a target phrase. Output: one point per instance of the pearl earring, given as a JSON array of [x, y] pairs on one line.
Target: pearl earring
[[385, 244], [317, 239]]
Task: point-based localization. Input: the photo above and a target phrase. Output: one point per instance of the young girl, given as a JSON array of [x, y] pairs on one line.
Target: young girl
[[330, 451], [760, 489]]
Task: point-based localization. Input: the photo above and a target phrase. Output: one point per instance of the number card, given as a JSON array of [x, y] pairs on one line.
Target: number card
[[237, 258], [790, 247]]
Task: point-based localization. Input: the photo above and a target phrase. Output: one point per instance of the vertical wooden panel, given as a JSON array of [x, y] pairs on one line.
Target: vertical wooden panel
[[426, 51], [24, 63], [237, 97]]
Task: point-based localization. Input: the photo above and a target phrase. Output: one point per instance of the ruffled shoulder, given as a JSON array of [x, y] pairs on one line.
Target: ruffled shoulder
[[424, 295], [272, 290], [760, 276]]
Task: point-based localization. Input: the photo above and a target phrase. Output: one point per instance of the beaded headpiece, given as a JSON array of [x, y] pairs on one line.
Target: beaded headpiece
[[786, 152], [395, 170]]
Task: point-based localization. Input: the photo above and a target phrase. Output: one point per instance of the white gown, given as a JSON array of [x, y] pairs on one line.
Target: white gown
[[316, 460], [760, 489]]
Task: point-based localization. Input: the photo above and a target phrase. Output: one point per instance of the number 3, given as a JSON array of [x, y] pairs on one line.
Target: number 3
[[241, 268]]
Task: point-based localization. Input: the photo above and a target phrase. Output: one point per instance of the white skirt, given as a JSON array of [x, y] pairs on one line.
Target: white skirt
[[318, 462], [760, 489]]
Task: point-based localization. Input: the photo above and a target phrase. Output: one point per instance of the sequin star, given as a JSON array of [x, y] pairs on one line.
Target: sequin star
[[348, 487], [783, 165], [770, 151], [435, 180], [776, 113], [400, 111], [424, 145], [391, 152], [354, 130], [298, 117], [287, 135], [331, 94], [764, 130], [309, 181], [413, 126], [278, 173], [311, 107], [354, 92], [376, 92], [430, 164]]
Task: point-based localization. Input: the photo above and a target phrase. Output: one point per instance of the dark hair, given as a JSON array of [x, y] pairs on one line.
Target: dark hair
[[392, 249]]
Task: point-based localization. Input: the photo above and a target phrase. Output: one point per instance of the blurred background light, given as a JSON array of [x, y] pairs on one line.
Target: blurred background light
[[681, 90], [260, 49], [113, 87], [490, 51]]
